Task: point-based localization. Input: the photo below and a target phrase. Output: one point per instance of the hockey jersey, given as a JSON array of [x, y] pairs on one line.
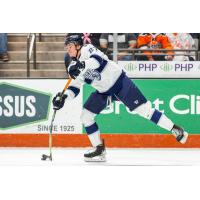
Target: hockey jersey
[[154, 41], [99, 72]]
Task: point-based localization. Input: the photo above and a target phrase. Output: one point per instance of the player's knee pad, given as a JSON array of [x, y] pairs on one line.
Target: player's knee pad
[[145, 110], [87, 117]]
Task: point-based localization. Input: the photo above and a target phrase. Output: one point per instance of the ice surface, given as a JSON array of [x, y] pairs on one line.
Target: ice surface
[[115, 157]]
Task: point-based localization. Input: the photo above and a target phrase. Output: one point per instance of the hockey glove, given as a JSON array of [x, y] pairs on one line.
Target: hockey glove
[[75, 68], [59, 101]]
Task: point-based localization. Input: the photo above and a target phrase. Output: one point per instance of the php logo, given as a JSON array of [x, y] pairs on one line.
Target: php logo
[[183, 67], [166, 67], [130, 67], [147, 67]]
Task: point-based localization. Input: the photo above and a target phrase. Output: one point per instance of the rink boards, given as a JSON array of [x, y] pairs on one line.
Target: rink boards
[[26, 111]]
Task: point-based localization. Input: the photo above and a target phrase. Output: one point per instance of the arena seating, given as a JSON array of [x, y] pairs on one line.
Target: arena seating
[[50, 57]]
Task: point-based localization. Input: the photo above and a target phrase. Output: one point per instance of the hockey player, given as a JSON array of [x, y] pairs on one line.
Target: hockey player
[[89, 65]]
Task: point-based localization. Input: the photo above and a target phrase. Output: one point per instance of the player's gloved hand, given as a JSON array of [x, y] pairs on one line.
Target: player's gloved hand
[[75, 68], [59, 101]]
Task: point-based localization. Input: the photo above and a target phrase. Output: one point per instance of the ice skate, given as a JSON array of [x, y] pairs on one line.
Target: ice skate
[[96, 155], [180, 134]]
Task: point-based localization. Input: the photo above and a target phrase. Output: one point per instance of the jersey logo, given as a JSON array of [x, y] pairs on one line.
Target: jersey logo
[[92, 74]]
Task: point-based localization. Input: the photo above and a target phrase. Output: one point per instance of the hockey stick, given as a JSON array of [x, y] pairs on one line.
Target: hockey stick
[[44, 156]]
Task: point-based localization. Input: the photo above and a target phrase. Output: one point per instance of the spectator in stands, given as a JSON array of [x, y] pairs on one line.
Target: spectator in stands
[[125, 41], [182, 41], [88, 38], [156, 41], [3, 47], [196, 37]]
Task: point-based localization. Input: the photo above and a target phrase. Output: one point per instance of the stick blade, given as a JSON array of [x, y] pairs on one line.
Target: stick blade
[[46, 157]]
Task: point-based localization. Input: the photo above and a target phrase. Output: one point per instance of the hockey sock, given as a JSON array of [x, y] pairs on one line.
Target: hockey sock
[[93, 134], [161, 120]]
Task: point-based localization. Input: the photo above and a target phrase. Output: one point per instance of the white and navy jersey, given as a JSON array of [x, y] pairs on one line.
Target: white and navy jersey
[[99, 72]]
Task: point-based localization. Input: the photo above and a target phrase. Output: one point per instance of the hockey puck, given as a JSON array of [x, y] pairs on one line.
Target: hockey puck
[[44, 157]]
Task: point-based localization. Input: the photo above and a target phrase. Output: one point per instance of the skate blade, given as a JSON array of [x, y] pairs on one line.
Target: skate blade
[[95, 159], [184, 139]]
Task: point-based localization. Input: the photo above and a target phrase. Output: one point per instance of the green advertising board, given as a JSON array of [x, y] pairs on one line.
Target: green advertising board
[[179, 99], [20, 106]]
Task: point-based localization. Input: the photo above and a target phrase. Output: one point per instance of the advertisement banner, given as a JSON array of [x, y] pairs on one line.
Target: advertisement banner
[[26, 107], [161, 69], [26, 112], [178, 99]]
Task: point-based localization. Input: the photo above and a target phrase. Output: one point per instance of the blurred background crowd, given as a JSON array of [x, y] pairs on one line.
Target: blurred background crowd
[[45, 51]]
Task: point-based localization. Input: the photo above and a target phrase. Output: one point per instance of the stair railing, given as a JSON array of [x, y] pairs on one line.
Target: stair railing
[[31, 49]]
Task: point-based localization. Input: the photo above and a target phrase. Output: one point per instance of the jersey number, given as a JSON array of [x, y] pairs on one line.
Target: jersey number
[[91, 50]]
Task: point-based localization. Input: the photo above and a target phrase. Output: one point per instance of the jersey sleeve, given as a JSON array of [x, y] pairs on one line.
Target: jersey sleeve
[[74, 88], [94, 62]]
